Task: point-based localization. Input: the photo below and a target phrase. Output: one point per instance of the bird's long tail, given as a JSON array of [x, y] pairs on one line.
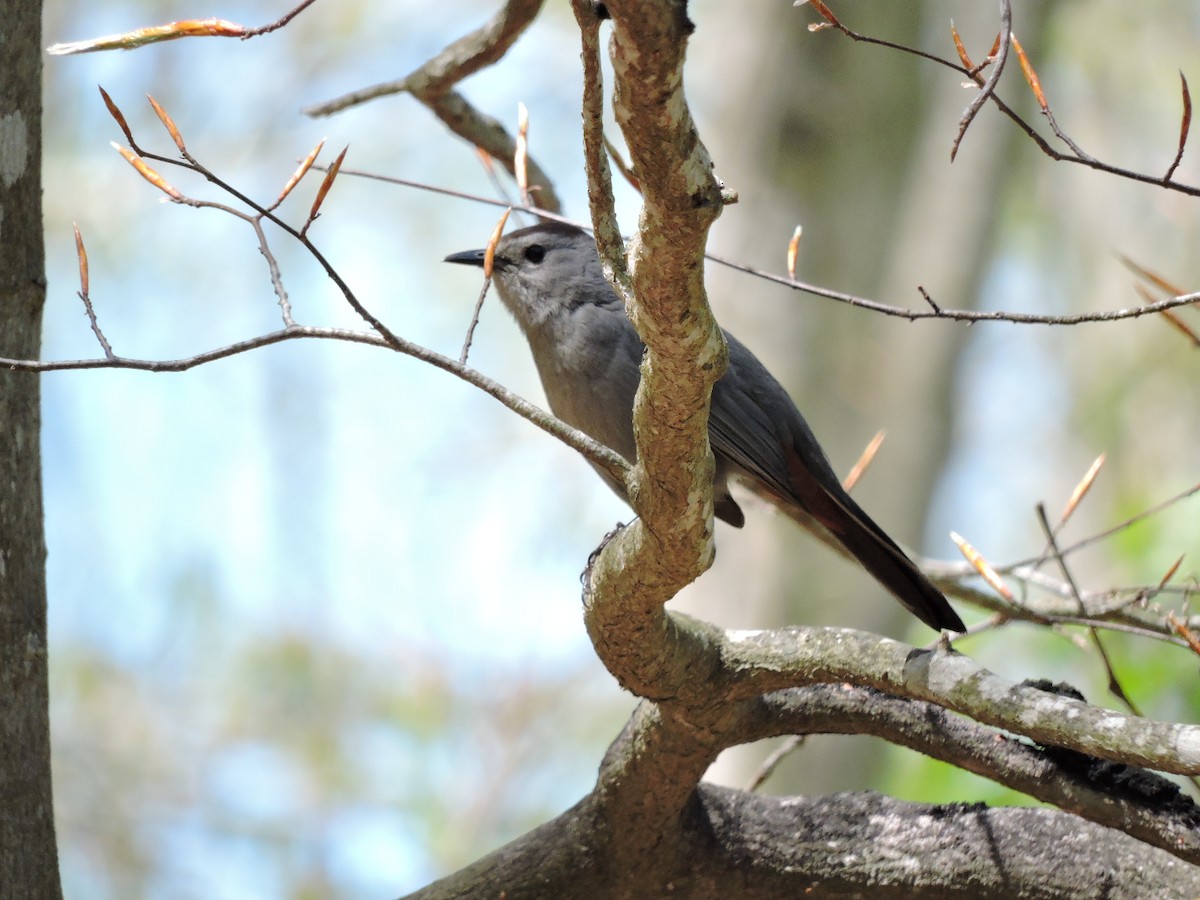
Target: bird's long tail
[[833, 508]]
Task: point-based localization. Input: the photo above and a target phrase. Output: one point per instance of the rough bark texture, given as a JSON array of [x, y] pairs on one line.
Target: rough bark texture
[[28, 856], [843, 845]]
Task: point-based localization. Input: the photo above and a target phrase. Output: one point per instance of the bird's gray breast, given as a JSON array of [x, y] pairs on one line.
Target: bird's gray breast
[[588, 357]]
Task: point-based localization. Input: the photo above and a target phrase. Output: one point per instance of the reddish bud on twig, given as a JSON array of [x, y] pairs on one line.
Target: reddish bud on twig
[[168, 123], [995, 48], [864, 461], [116, 114], [521, 159], [81, 252], [1170, 572], [793, 251], [825, 12], [300, 172], [485, 158], [489, 255], [1169, 315], [1081, 489], [1181, 629], [1185, 125], [323, 190], [1031, 76], [146, 172], [489, 263], [153, 35], [1181, 326], [962, 50], [982, 566], [1167, 287]]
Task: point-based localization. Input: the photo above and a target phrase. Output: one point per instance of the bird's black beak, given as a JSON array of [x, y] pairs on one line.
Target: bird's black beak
[[467, 258]]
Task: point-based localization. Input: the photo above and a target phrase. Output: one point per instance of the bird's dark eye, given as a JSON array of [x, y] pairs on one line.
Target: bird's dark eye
[[535, 253]]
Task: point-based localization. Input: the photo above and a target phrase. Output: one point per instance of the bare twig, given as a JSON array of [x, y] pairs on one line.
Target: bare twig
[[1076, 155], [433, 83], [173, 31], [600, 189], [280, 22], [488, 265], [85, 296], [593, 451], [1114, 683], [988, 87], [957, 315], [1119, 527], [791, 744], [934, 312], [281, 294], [1185, 124]]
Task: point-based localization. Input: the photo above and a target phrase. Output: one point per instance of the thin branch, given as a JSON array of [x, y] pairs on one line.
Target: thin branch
[[988, 87], [432, 84], [1077, 156], [1114, 683], [280, 22], [489, 262], [467, 55], [959, 315], [91, 314], [600, 190], [1119, 527], [671, 489], [185, 28], [935, 312], [281, 295], [601, 456], [85, 296], [593, 451], [790, 745], [1185, 124]]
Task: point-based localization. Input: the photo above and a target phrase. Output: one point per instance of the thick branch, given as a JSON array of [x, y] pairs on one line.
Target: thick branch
[[671, 543], [646, 830], [432, 84], [761, 661], [759, 848], [1135, 801], [600, 192]]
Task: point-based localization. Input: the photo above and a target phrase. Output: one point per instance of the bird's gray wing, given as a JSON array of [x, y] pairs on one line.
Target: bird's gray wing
[[754, 425]]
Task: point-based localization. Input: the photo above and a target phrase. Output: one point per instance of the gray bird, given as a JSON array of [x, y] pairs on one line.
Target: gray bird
[[588, 353]]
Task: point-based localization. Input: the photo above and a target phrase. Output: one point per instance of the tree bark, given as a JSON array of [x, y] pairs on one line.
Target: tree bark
[[28, 855], [844, 845]]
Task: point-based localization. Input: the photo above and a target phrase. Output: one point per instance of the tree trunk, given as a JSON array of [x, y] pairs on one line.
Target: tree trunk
[[28, 855]]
